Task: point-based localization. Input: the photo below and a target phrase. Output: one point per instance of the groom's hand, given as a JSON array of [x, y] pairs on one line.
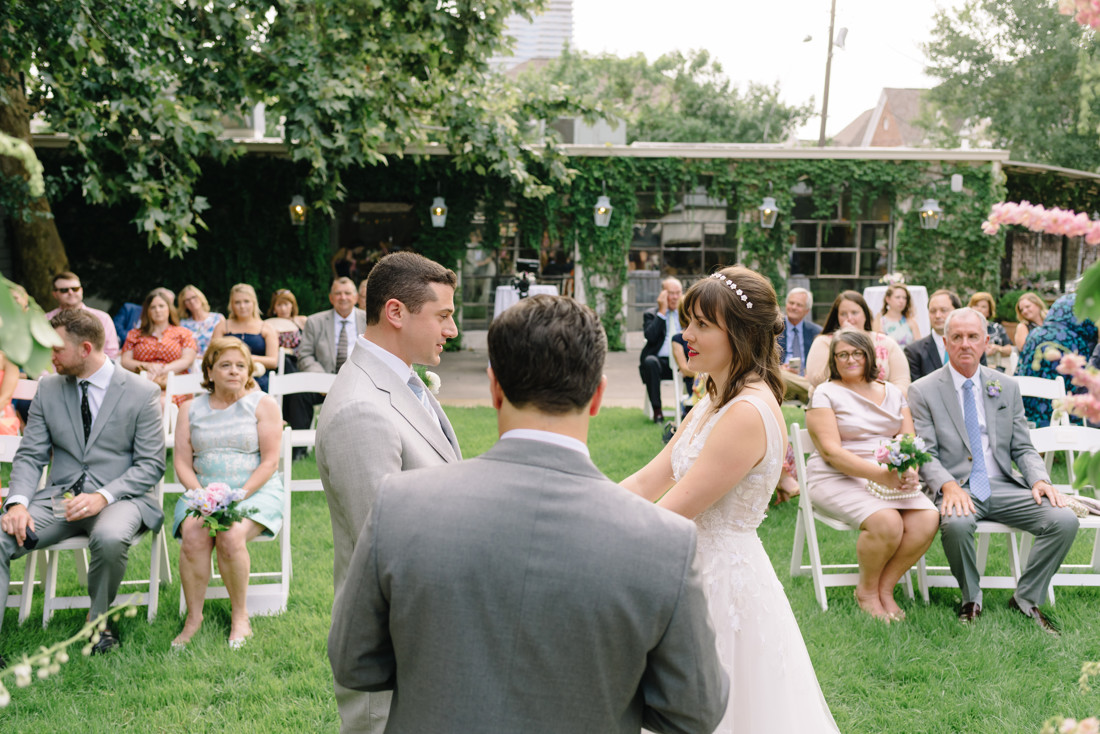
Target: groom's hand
[[956, 501], [1041, 488]]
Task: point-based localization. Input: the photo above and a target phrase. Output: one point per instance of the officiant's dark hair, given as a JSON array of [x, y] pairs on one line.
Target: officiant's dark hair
[[548, 352], [405, 276]]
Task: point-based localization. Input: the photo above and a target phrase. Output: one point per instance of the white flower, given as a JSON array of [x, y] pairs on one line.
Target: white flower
[[22, 673], [434, 383]]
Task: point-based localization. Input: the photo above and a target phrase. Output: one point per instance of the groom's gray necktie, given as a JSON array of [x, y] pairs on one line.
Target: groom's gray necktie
[[420, 390]]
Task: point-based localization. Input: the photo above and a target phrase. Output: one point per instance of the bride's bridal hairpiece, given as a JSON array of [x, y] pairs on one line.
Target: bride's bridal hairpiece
[[733, 287]]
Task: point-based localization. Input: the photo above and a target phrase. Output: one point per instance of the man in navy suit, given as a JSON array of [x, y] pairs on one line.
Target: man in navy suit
[[928, 354], [794, 342], [659, 326]]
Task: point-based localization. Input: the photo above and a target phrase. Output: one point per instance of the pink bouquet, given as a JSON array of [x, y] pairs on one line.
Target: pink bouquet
[[216, 506]]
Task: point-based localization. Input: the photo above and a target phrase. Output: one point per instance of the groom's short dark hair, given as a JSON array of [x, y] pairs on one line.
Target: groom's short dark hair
[[548, 352], [405, 276]]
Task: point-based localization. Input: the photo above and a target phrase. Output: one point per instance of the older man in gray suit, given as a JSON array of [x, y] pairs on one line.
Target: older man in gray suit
[[379, 418], [329, 336], [101, 427], [973, 420], [523, 591]]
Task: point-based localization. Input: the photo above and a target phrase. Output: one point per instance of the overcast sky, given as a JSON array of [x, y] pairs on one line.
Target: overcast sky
[[763, 42]]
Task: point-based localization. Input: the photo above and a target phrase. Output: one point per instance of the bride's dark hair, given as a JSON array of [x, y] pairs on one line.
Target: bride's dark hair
[[751, 332]]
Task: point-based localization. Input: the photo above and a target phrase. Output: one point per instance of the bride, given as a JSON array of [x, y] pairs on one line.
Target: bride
[[720, 469]]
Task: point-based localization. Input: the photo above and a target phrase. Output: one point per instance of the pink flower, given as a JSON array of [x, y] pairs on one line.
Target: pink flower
[[1071, 363]]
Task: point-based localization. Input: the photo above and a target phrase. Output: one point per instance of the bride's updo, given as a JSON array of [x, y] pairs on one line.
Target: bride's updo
[[745, 303]]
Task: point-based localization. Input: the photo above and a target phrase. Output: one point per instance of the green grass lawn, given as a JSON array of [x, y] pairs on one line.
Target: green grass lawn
[[927, 674]]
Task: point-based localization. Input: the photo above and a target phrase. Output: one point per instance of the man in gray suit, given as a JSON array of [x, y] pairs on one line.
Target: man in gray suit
[[523, 591], [101, 426], [379, 418], [329, 336], [973, 420]]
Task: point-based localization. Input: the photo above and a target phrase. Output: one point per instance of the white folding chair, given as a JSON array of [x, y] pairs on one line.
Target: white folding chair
[[189, 383], [805, 532], [21, 593], [268, 591], [1050, 440], [25, 389], [148, 590], [1013, 360], [1040, 387], [301, 382]]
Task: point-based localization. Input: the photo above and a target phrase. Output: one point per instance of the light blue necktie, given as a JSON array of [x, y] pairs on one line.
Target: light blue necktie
[[420, 390], [979, 479]]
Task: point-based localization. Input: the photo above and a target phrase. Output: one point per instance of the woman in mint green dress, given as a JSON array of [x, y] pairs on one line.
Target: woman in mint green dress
[[229, 435]]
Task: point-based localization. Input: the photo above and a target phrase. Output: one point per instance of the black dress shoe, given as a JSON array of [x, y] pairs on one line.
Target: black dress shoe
[[969, 611], [1040, 619], [658, 417], [108, 641]]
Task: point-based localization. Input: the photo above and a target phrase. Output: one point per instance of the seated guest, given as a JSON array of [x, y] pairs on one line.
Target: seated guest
[[329, 336], [1000, 346], [194, 311], [984, 467], [849, 417], [680, 354], [896, 320], [159, 345], [1031, 312], [1062, 332], [849, 309], [70, 294], [283, 317], [929, 354], [244, 322], [229, 435], [794, 343], [99, 430], [659, 325]]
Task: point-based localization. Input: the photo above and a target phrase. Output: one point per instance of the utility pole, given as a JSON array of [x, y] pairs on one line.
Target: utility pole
[[828, 69]]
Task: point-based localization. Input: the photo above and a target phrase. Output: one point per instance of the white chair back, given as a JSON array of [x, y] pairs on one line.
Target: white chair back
[[21, 593], [301, 382]]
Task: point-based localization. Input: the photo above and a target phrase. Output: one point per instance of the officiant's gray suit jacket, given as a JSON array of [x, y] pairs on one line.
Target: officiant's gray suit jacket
[[124, 454], [317, 352], [523, 591]]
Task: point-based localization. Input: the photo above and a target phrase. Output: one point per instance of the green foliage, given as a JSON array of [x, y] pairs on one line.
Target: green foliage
[[26, 337], [16, 148], [680, 97], [1027, 69], [1006, 305], [142, 91]]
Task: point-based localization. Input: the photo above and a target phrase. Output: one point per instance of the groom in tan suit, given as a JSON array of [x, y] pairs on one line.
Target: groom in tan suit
[[524, 591], [379, 418]]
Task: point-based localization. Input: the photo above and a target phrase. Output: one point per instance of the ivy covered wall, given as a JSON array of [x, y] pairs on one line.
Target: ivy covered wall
[[249, 237]]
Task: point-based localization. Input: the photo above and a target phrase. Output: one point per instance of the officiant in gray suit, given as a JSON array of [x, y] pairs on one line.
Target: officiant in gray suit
[[100, 426], [379, 418], [973, 420], [523, 591]]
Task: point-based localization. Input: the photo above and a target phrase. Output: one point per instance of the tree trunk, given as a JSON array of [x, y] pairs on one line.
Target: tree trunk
[[38, 247]]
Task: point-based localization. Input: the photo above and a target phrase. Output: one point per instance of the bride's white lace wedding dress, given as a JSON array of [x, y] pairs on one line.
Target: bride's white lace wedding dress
[[772, 682]]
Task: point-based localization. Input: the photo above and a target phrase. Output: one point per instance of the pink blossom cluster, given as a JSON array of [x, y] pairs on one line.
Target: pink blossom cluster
[[1085, 12], [1087, 405], [1038, 218], [213, 498]]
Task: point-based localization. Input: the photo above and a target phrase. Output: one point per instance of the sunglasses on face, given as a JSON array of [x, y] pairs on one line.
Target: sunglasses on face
[[73, 289]]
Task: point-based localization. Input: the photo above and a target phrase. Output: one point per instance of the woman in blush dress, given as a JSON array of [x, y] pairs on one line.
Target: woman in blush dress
[[284, 318], [244, 322], [230, 435], [896, 319], [731, 321], [195, 315], [849, 417]]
